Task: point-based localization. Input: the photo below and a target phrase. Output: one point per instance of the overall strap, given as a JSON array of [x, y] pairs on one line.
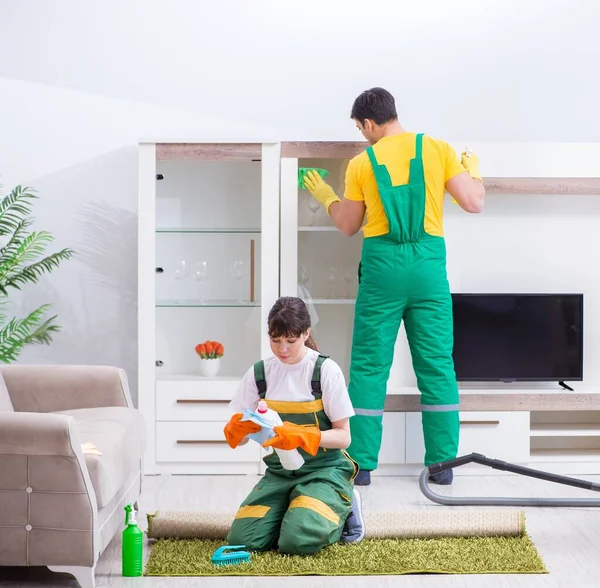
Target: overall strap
[[315, 381], [382, 176], [259, 377], [417, 173]]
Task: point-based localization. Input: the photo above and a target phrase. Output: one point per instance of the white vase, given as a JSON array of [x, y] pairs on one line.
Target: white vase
[[209, 368]]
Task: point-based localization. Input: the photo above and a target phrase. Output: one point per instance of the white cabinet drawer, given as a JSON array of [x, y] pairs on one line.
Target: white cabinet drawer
[[393, 443], [192, 400], [200, 442], [501, 435]]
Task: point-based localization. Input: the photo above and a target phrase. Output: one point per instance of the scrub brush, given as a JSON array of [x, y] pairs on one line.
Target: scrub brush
[[220, 558], [302, 171]]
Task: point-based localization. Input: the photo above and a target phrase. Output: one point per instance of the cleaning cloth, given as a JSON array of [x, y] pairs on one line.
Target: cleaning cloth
[[266, 431]]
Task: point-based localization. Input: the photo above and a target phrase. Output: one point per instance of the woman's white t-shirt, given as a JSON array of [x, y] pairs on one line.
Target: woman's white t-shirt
[[291, 383]]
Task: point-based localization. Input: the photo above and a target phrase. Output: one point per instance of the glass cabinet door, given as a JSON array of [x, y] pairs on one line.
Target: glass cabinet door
[[208, 264], [318, 263]]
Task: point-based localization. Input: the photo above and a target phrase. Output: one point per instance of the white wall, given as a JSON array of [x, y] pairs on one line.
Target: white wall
[[81, 83]]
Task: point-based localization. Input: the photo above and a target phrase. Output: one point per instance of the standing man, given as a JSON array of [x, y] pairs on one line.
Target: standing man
[[400, 182]]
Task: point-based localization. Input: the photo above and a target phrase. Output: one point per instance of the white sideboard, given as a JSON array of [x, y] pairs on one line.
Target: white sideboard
[[238, 204]]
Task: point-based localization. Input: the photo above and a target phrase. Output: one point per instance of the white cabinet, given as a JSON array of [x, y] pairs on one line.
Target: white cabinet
[[500, 435], [227, 230], [208, 271]]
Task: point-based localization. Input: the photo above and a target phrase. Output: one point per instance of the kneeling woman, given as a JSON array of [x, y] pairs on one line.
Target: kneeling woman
[[304, 510]]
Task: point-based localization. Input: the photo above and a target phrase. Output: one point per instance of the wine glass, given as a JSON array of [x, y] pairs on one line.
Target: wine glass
[[201, 273], [181, 269], [239, 271], [313, 206], [302, 275], [350, 278], [332, 278], [181, 272]]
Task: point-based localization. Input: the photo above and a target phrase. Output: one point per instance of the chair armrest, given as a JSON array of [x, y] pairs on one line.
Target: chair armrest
[[30, 433], [48, 507], [52, 388]]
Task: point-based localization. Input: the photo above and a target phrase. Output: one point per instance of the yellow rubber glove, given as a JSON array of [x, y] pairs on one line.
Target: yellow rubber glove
[[470, 162], [320, 190]]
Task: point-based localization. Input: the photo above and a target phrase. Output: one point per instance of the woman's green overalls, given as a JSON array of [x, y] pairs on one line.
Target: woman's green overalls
[[300, 511]]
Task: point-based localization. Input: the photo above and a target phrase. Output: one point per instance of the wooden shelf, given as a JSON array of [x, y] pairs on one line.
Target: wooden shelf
[[477, 401], [209, 151], [494, 185]]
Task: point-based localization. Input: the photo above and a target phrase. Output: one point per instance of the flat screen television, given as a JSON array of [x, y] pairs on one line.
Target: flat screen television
[[518, 337]]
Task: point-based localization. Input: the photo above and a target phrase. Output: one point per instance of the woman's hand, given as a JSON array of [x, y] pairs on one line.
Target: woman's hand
[[338, 437], [236, 430], [290, 436]]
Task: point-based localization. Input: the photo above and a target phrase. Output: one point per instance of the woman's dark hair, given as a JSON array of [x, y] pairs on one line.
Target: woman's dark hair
[[289, 317], [375, 104]]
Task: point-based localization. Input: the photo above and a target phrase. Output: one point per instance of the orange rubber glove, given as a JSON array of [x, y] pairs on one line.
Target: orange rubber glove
[[236, 430], [290, 436]]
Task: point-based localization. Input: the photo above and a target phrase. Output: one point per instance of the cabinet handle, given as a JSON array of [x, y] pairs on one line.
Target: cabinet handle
[[479, 422], [199, 441], [198, 401]]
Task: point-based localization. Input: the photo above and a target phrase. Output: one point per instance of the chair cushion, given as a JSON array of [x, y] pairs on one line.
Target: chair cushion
[[119, 435], [5, 401]]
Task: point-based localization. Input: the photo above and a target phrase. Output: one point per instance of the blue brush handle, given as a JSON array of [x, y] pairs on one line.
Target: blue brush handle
[[224, 548]]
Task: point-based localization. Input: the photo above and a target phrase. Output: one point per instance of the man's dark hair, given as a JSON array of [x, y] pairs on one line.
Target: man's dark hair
[[375, 104]]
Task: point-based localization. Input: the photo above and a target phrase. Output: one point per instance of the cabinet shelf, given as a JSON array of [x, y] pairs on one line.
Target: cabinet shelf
[[568, 455], [206, 304], [317, 229], [565, 430], [331, 301], [204, 231]]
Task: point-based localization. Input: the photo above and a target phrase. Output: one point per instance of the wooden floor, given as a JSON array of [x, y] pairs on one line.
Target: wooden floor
[[568, 539]]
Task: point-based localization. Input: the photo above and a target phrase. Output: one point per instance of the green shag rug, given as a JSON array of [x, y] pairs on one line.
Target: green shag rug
[[370, 557]]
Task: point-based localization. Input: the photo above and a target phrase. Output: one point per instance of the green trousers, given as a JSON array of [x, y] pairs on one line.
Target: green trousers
[[403, 278], [297, 512]]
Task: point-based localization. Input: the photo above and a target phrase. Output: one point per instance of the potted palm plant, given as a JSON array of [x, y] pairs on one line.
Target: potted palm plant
[[23, 261]]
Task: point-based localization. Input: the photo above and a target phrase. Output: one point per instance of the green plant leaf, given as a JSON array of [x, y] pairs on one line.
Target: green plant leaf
[[32, 273], [23, 261], [14, 207], [21, 332]]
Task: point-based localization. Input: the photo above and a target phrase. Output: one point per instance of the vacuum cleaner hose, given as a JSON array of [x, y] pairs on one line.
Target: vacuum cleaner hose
[[508, 501]]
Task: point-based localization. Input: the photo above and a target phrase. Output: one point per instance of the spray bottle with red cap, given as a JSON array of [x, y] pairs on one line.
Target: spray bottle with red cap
[[290, 459]]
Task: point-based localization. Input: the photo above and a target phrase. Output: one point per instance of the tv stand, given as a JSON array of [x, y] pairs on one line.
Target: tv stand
[[566, 386]]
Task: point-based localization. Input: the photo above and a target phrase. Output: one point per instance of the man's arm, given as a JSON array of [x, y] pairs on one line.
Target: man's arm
[[347, 216], [468, 192], [465, 187]]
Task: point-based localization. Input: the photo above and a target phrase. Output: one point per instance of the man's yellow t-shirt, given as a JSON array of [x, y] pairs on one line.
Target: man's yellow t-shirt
[[440, 163]]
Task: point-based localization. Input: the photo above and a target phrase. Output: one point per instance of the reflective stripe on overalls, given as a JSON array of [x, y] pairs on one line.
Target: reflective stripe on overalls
[[402, 276], [304, 510]]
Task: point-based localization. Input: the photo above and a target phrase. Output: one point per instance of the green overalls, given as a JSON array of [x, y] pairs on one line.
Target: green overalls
[[300, 511], [402, 276]]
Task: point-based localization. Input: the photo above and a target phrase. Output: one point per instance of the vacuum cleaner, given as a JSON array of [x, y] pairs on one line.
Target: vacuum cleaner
[[508, 501]]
